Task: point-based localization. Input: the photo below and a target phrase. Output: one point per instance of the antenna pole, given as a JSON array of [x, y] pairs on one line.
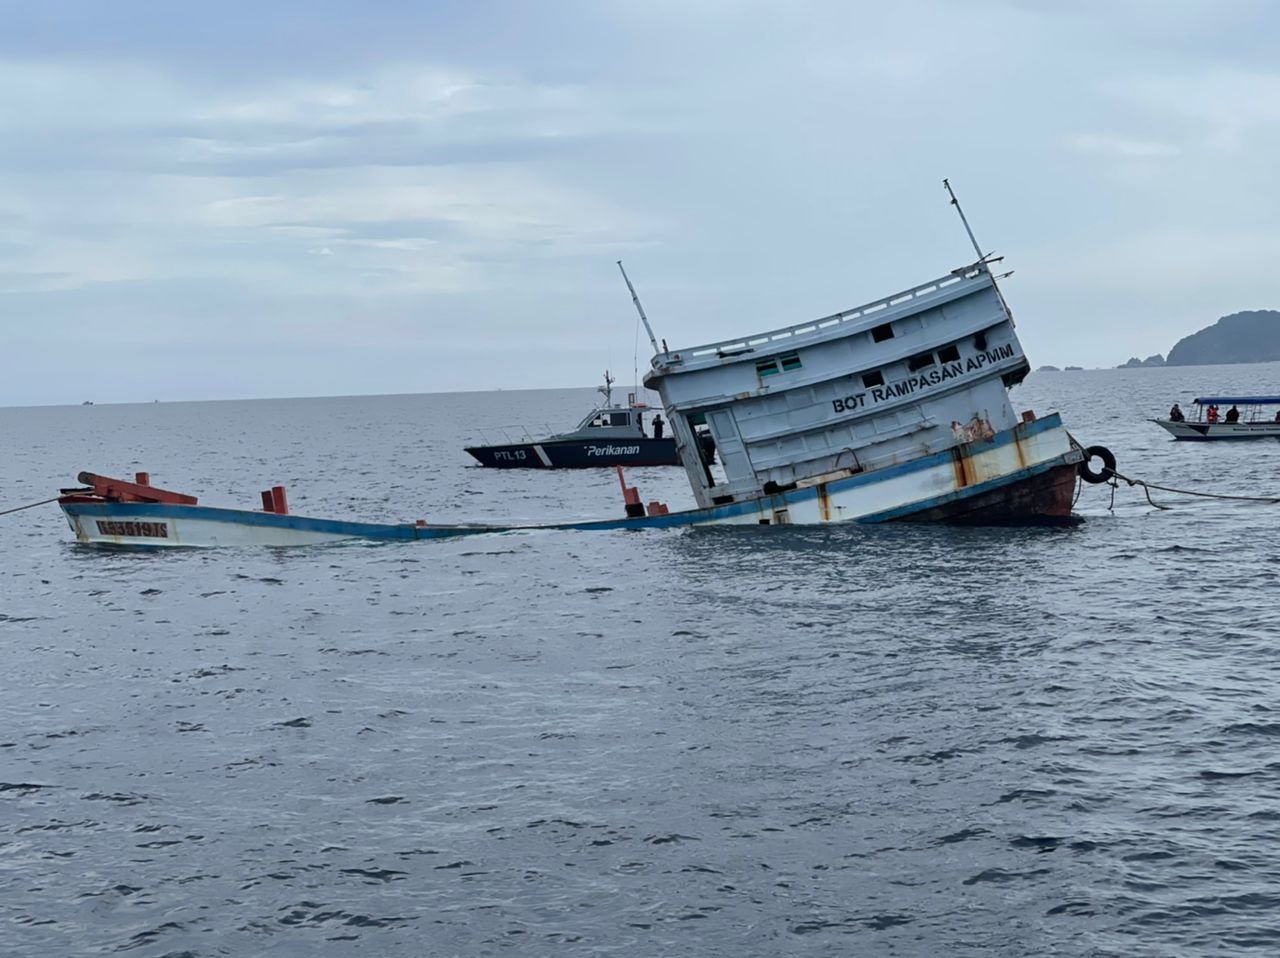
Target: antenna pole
[[956, 203], [640, 309], [978, 249]]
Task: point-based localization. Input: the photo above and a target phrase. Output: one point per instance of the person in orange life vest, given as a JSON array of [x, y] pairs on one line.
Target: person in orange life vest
[[1212, 414]]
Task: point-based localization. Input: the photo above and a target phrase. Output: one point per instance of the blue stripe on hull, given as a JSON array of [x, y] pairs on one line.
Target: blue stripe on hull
[[243, 517]]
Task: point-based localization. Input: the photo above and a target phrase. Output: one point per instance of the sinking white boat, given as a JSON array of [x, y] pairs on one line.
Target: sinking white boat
[[897, 410], [1260, 419]]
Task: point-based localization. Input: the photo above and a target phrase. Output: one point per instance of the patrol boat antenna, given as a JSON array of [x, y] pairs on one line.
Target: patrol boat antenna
[[653, 340]]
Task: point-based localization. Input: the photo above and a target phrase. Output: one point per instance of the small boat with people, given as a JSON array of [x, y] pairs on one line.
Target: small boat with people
[[1225, 417], [895, 410], [612, 434]]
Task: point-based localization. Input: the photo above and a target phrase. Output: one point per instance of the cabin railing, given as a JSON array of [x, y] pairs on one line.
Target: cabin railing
[[734, 346]]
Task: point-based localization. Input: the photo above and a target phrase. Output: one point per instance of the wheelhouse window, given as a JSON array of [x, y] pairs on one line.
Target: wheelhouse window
[[870, 380], [882, 333], [611, 419], [786, 363], [920, 361], [767, 367], [949, 354]]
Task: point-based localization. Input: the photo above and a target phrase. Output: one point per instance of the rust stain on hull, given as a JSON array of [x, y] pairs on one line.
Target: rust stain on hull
[[960, 464], [1017, 447], [824, 502]]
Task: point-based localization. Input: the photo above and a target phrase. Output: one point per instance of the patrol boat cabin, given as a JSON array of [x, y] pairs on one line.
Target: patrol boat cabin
[[612, 434]]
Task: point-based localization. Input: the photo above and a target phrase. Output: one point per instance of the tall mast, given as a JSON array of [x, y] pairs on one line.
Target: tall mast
[[640, 309], [956, 203], [978, 249]]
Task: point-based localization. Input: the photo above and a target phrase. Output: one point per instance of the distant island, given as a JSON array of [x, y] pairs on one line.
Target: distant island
[[1134, 362], [1252, 336]]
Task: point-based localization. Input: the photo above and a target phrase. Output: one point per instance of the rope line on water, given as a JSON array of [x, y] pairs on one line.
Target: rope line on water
[[1148, 486], [1114, 483], [30, 505]]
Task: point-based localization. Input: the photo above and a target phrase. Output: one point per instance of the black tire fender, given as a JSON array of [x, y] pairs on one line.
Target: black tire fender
[[1108, 464]]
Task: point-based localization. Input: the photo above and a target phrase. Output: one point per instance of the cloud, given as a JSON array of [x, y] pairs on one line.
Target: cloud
[[1106, 145], [1167, 262], [1222, 108], [172, 180], [466, 174]]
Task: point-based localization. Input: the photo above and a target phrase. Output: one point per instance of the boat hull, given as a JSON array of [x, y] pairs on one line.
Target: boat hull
[[1205, 431], [1022, 476], [578, 454], [165, 525], [1041, 499]]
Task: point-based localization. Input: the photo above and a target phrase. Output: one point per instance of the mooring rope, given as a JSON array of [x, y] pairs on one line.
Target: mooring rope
[[30, 505], [1148, 486]]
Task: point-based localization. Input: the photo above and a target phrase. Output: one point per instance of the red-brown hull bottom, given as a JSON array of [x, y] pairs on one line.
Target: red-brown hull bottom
[[1039, 500]]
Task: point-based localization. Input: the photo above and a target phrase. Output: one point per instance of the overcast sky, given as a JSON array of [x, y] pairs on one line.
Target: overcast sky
[[250, 199]]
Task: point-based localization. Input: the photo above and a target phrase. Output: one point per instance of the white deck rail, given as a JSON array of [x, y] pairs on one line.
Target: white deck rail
[[731, 347]]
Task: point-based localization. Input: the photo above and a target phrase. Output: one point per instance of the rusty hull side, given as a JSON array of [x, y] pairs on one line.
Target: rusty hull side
[[1044, 499]]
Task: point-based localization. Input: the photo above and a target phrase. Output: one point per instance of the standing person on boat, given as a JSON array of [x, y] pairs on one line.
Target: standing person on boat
[[1233, 414], [1212, 414], [657, 426], [1175, 414]]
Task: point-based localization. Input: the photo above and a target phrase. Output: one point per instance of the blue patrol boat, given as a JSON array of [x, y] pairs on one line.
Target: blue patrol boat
[[612, 434]]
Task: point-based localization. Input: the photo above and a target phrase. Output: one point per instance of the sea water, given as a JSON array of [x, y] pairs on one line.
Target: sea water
[[898, 740]]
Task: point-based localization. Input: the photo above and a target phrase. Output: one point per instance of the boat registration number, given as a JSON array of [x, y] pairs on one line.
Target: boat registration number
[[508, 455], [151, 530]]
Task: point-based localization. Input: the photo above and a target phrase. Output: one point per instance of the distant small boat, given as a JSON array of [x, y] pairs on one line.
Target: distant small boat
[[611, 435], [1256, 426]]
